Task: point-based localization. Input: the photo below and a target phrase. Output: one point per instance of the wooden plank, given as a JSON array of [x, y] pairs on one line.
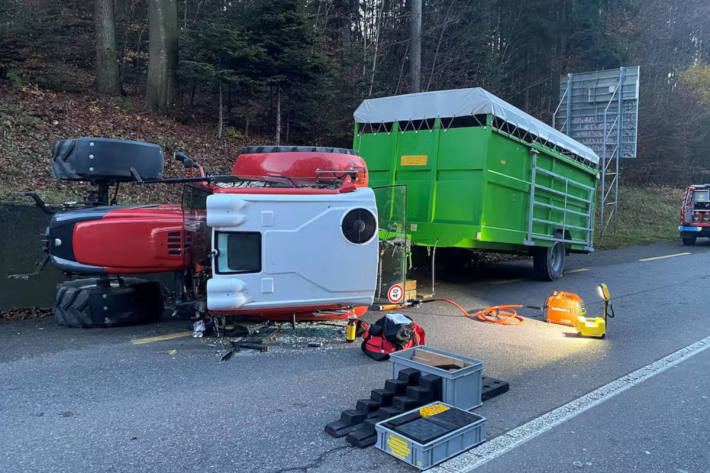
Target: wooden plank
[[438, 361]]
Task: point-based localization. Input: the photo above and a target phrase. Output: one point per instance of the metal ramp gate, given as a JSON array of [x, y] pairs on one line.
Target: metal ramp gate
[[588, 203]]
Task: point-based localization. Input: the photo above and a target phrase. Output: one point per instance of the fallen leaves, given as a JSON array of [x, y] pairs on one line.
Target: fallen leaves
[[33, 119], [16, 313]]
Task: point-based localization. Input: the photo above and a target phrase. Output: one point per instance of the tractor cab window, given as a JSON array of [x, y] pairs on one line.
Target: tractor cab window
[[239, 252], [701, 200]]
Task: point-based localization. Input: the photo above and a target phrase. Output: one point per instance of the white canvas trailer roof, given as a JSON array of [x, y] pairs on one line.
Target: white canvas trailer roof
[[461, 103]]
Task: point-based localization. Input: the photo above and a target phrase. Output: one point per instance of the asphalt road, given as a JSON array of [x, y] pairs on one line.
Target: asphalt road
[[91, 400], [659, 425]]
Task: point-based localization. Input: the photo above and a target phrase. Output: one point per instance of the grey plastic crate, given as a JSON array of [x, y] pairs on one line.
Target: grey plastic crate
[[428, 454], [460, 388]]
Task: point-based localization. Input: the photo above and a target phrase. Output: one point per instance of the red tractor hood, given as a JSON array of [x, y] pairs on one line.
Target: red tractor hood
[[118, 240]]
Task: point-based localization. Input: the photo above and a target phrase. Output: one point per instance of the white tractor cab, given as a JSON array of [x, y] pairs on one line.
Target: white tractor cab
[[296, 234], [288, 251]]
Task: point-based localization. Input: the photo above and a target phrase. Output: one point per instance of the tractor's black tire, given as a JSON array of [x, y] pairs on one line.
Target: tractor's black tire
[[84, 303], [688, 240], [106, 160], [549, 262]]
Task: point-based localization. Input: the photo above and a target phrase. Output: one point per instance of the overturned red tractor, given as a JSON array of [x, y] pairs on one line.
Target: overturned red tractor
[[291, 234]]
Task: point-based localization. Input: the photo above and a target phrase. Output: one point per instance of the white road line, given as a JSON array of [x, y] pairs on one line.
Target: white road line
[[504, 443]]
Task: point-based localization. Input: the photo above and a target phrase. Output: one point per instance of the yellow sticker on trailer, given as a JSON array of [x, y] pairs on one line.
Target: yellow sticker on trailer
[[414, 160], [398, 446]]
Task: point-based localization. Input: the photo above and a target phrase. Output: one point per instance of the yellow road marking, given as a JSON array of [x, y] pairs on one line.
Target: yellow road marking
[[578, 270], [664, 257], [507, 281], [160, 338]]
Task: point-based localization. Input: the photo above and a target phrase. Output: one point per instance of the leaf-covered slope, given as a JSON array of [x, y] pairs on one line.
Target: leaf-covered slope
[[32, 119]]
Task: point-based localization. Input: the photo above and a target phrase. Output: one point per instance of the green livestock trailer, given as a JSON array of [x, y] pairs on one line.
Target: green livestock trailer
[[481, 174]]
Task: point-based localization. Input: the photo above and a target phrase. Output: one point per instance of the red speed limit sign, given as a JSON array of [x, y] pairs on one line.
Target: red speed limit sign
[[395, 294]]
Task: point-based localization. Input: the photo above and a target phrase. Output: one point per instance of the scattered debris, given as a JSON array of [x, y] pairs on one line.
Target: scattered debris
[[229, 354], [24, 313], [263, 336], [198, 328], [172, 352], [231, 349]]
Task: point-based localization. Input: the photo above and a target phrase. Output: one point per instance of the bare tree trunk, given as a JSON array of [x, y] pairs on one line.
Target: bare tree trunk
[[107, 80], [415, 45], [162, 62], [278, 115], [438, 44], [219, 128], [377, 44]]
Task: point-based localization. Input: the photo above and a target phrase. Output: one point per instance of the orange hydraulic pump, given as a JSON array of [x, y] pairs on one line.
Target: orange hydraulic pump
[[563, 308]]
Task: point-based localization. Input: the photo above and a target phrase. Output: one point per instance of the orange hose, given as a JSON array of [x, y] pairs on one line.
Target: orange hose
[[497, 314]]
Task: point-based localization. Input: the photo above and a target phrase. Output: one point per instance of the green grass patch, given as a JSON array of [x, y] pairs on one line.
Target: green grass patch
[[645, 215]]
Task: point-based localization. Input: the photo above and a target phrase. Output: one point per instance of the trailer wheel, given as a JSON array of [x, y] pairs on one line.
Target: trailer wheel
[[549, 262], [92, 303], [688, 240]]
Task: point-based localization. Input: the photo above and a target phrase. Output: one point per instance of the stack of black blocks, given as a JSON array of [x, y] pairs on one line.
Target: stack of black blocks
[[410, 390]]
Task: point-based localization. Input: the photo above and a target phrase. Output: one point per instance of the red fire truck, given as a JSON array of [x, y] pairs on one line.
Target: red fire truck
[[695, 214]]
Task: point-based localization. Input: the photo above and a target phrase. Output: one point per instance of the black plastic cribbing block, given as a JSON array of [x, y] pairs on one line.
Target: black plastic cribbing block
[[390, 411], [493, 387], [361, 438], [421, 394], [339, 428], [410, 375], [429, 380], [352, 417], [405, 403], [433, 383], [367, 405], [382, 396], [396, 386], [369, 424]]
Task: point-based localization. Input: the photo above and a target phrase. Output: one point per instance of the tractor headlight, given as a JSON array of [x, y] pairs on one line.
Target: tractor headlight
[[359, 226]]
